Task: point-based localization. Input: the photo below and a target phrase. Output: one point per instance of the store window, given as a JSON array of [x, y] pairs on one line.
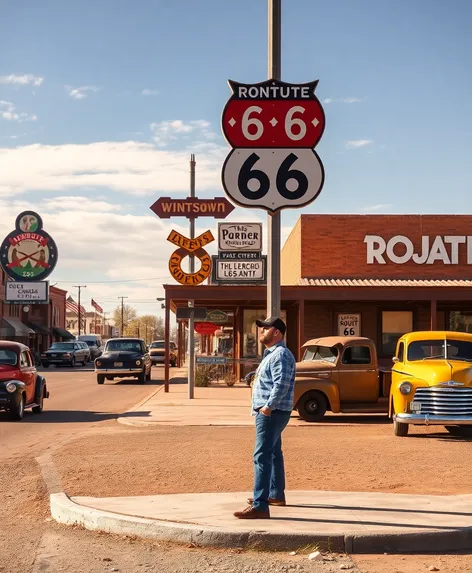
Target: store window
[[394, 325], [252, 348], [460, 321]]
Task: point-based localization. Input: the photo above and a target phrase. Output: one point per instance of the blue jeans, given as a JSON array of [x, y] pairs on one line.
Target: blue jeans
[[269, 472]]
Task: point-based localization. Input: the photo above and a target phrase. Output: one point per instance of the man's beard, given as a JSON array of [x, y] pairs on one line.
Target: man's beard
[[266, 337]]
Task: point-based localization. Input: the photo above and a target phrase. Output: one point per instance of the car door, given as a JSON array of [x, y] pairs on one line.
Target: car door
[[28, 372], [358, 376]]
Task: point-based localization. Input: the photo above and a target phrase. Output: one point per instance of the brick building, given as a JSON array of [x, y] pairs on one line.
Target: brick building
[[36, 325], [370, 275]]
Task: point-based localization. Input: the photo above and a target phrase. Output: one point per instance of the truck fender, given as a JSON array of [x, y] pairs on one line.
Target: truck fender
[[40, 385], [329, 389]]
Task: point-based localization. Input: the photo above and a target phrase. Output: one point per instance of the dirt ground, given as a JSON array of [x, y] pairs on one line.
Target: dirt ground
[[166, 459]]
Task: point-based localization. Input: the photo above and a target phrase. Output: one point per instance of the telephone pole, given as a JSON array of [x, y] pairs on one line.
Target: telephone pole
[[122, 315], [80, 287]]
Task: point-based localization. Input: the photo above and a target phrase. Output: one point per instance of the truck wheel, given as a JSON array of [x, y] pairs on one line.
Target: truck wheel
[[100, 378], [39, 408], [17, 411], [400, 429], [110, 377], [72, 362], [461, 431], [312, 406], [142, 378], [148, 376]]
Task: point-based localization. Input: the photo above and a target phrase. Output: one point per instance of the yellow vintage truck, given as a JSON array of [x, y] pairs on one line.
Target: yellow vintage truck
[[430, 383]]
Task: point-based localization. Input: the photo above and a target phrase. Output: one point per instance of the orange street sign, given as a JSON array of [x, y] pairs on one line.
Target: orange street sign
[[190, 247]]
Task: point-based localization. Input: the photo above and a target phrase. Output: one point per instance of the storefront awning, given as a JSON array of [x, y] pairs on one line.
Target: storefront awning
[[39, 328], [15, 328], [65, 334], [385, 282]]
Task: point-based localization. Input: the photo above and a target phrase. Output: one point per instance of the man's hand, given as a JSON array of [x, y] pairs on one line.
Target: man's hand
[[265, 411]]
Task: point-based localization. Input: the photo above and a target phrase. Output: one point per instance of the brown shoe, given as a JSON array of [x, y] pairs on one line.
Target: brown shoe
[[251, 513], [272, 501]]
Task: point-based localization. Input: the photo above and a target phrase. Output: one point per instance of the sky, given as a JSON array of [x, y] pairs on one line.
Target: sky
[[102, 103]]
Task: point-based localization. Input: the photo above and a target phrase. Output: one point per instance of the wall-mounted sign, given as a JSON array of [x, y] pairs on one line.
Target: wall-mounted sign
[[186, 312], [190, 247], [233, 255], [273, 127], [17, 292], [211, 360], [239, 271], [219, 207], [349, 324], [400, 250], [28, 253], [240, 237], [217, 316], [205, 327]]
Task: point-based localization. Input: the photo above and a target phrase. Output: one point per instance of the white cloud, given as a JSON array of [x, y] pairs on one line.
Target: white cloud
[[376, 208], [82, 92], [147, 92], [128, 167], [71, 203], [342, 100], [9, 112], [22, 80], [357, 143], [165, 132]]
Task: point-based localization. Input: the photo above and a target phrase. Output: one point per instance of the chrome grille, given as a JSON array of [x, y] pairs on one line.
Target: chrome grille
[[445, 401]]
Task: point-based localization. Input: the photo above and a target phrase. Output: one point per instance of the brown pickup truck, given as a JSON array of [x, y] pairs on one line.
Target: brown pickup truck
[[340, 374]]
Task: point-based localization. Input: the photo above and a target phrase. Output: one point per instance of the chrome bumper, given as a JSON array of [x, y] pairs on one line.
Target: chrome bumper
[[117, 371], [433, 420]]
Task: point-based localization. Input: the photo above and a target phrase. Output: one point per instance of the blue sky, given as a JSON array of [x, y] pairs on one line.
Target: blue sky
[[101, 104]]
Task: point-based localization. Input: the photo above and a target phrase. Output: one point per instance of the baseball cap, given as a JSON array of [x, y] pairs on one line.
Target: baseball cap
[[276, 322]]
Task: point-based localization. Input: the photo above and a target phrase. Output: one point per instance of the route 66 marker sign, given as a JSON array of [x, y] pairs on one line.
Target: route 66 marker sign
[[273, 127]]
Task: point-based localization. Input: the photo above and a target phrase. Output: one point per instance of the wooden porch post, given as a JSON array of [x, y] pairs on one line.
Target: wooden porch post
[[434, 315], [301, 327], [166, 343]]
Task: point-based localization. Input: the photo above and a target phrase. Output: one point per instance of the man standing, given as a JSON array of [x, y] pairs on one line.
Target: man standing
[[272, 404]]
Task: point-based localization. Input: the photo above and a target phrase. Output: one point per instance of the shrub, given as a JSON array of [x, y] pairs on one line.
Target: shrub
[[202, 376], [230, 379]]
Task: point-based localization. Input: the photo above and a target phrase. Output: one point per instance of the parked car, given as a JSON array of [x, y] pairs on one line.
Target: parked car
[[21, 386], [122, 358], [432, 382], [66, 353], [94, 342], [157, 352], [340, 374]]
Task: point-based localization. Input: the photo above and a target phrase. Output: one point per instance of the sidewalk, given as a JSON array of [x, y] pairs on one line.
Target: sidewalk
[[339, 521]]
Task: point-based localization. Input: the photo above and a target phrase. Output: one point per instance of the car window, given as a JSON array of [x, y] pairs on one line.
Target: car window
[[320, 353], [8, 357], [24, 360], [62, 346], [356, 355], [434, 350], [401, 352], [160, 344], [123, 345]]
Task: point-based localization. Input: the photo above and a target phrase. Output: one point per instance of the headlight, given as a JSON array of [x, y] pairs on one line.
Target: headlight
[[44, 355], [67, 355], [405, 388], [98, 363], [138, 362], [10, 387]]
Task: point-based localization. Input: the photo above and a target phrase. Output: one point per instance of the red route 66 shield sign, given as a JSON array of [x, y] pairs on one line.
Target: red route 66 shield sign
[[273, 127]]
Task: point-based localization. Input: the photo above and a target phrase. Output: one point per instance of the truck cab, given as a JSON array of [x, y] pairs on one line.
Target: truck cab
[[340, 374]]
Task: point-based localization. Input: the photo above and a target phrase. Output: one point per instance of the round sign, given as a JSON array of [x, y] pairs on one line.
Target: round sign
[[28, 253], [205, 327]]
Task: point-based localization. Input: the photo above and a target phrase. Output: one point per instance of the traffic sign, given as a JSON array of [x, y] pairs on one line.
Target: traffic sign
[[273, 127], [165, 207]]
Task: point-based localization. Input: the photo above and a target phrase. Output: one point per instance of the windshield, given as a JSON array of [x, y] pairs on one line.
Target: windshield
[[157, 344], [8, 357], [62, 346], [90, 342], [123, 346], [434, 349], [320, 353]]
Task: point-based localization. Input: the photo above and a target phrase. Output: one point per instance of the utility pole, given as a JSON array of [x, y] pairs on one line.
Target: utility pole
[[122, 315], [191, 325], [80, 287], [273, 219]]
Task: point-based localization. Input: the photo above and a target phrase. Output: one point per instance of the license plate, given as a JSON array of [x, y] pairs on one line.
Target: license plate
[[415, 406], [118, 364]]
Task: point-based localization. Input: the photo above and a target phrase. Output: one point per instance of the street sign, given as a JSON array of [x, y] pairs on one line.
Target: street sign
[[273, 127], [166, 207], [185, 312], [211, 360], [30, 292], [217, 316], [239, 271], [239, 237], [234, 255], [190, 247]]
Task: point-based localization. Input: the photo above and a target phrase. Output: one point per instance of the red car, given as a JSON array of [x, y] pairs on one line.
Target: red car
[[20, 384]]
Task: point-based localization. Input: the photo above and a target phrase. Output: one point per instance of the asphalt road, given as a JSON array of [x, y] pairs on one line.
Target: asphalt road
[[76, 403]]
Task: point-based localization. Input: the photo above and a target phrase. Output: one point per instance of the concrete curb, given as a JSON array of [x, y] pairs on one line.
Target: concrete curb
[[66, 511]]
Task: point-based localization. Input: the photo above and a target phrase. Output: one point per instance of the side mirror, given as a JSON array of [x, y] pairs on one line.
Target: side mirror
[[395, 360]]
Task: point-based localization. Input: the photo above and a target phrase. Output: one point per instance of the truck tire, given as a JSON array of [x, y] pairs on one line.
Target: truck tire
[[148, 376], [312, 406], [400, 429], [142, 378], [461, 431], [100, 378], [39, 408], [17, 411]]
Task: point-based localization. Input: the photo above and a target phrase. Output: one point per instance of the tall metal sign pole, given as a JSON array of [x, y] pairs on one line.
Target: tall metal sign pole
[[273, 219], [191, 321]]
